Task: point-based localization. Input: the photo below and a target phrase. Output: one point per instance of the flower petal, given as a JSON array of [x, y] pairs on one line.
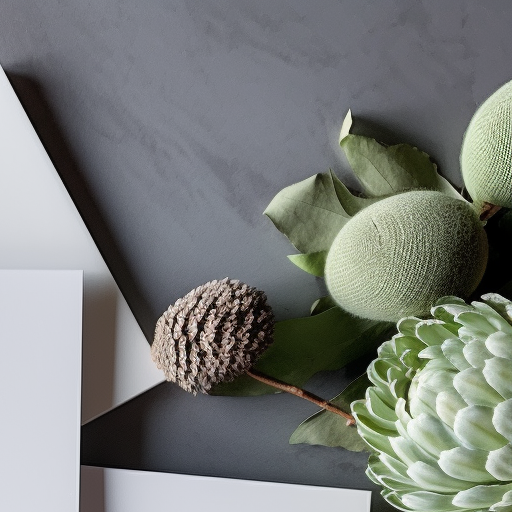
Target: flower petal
[[452, 350], [466, 464], [448, 307], [408, 451], [428, 501], [410, 359], [380, 382], [476, 353], [500, 304], [477, 322], [423, 396], [474, 389], [499, 463], [481, 496], [493, 317], [498, 373], [432, 332], [407, 326], [402, 343], [473, 426], [382, 414], [500, 344], [448, 404], [434, 479], [394, 476], [502, 419], [431, 352], [372, 434], [501, 506], [386, 350], [431, 434], [393, 498]]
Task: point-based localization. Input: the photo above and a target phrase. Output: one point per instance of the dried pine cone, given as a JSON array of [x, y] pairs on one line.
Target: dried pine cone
[[213, 334]]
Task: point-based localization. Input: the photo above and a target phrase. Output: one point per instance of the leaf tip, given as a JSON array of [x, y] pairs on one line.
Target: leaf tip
[[346, 125]]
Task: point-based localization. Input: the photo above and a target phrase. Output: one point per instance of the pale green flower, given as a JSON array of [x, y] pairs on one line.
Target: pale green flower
[[438, 418]]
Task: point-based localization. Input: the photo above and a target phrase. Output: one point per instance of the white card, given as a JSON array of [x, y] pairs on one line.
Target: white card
[[40, 375], [40, 228], [121, 490]]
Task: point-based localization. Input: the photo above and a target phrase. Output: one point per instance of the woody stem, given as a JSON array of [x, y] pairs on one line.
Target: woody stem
[[488, 210], [301, 393]]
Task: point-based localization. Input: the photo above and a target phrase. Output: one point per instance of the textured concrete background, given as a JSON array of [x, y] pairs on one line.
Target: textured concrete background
[[174, 122]]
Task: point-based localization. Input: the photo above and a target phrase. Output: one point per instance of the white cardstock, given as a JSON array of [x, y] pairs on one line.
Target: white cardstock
[[121, 490], [40, 374]]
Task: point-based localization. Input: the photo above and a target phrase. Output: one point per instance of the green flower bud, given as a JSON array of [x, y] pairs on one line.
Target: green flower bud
[[486, 156], [398, 256], [438, 418]]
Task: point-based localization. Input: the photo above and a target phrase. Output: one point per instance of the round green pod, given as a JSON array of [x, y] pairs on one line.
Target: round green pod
[[398, 256], [486, 155]]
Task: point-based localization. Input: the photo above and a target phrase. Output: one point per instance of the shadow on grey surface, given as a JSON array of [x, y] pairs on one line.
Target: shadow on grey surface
[[379, 504], [146, 434], [385, 134], [92, 489], [39, 111]]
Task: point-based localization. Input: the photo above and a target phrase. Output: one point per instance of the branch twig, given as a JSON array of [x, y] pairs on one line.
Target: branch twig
[[301, 393], [488, 210]]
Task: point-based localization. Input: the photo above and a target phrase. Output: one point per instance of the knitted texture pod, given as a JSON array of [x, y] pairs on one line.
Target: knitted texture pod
[[486, 156], [213, 334], [438, 418], [398, 256]]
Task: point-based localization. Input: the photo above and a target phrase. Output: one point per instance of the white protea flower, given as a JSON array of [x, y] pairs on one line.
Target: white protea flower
[[438, 418]]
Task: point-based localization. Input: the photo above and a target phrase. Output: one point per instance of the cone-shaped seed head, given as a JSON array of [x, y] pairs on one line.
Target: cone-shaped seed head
[[398, 256], [213, 334], [486, 156]]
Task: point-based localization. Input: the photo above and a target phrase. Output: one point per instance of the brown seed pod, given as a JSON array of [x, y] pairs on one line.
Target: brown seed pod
[[213, 334]]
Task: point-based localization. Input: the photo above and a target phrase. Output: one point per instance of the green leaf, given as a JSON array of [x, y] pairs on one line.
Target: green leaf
[[328, 429], [305, 346], [312, 263], [350, 202], [309, 213], [386, 170], [323, 304]]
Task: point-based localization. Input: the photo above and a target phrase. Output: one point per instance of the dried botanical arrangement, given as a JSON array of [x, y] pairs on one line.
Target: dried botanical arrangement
[[402, 261]]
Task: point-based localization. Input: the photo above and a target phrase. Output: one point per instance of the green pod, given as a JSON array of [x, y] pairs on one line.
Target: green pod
[[486, 155], [398, 256]]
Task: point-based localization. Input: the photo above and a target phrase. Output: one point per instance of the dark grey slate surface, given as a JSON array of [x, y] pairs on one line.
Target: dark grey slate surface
[[174, 122]]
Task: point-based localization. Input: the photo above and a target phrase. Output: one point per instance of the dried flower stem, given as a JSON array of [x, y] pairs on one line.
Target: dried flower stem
[[301, 393]]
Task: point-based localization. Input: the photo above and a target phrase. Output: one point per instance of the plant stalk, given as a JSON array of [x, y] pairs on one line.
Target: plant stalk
[[301, 393], [488, 210]]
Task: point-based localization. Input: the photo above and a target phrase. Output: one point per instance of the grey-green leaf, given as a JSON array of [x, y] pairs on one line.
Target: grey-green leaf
[[328, 429], [309, 213], [350, 202], [323, 304], [346, 125], [312, 263], [388, 170], [305, 346]]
